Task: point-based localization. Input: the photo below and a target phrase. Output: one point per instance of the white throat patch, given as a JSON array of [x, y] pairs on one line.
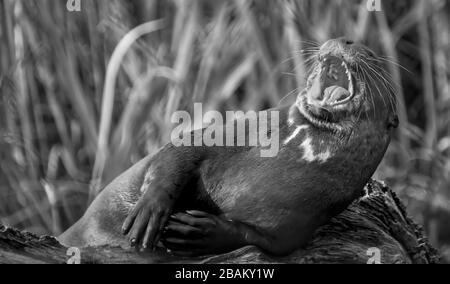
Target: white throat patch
[[307, 145], [308, 152]]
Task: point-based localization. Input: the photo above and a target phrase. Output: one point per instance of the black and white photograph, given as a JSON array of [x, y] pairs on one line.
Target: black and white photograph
[[225, 137]]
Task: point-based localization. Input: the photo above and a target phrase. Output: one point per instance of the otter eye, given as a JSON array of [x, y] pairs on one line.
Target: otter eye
[[371, 54], [394, 122]]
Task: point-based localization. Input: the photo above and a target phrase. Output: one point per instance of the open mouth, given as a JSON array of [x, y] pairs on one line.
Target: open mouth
[[334, 85]]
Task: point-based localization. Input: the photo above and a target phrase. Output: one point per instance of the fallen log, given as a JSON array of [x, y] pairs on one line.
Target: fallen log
[[374, 229]]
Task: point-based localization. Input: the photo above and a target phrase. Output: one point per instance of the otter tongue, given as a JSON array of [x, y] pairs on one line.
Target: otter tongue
[[336, 93]]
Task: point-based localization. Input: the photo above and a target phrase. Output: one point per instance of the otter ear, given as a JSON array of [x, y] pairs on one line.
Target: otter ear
[[393, 122]]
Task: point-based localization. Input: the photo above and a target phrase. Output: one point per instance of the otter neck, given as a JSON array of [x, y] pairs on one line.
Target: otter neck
[[298, 115]]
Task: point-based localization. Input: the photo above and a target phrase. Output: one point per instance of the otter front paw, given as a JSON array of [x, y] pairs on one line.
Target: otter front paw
[[196, 233], [145, 222]]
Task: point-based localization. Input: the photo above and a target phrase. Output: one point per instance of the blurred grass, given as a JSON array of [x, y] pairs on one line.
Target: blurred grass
[[68, 126]]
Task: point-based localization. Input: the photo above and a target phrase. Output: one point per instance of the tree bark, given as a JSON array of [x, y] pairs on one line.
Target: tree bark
[[375, 229]]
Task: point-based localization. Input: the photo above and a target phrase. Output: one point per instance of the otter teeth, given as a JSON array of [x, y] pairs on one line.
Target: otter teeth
[[349, 77], [351, 88]]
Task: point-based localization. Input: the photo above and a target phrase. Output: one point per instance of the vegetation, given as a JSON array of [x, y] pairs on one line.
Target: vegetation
[[69, 126]]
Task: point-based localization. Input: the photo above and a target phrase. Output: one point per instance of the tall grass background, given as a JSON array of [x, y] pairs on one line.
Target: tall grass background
[[84, 95]]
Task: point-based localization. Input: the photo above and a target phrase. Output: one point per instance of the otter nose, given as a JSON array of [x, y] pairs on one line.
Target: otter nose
[[346, 41], [343, 41], [337, 46]]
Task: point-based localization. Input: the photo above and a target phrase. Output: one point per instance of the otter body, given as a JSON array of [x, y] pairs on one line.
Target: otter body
[[315, 176], [326, 157]]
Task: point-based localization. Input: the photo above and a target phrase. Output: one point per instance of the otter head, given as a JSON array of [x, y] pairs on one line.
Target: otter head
[[347, 85]]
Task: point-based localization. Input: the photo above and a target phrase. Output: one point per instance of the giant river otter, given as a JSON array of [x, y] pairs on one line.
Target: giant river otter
[[206, 200]]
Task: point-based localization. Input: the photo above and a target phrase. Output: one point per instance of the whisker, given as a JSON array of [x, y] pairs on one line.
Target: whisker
[[395, 63], [389, 90], [365, 95], [380, 94], [288, 95], [308, 42], [370, 90], [306, 51], [375, 83], [381, 74], [387, 83]]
